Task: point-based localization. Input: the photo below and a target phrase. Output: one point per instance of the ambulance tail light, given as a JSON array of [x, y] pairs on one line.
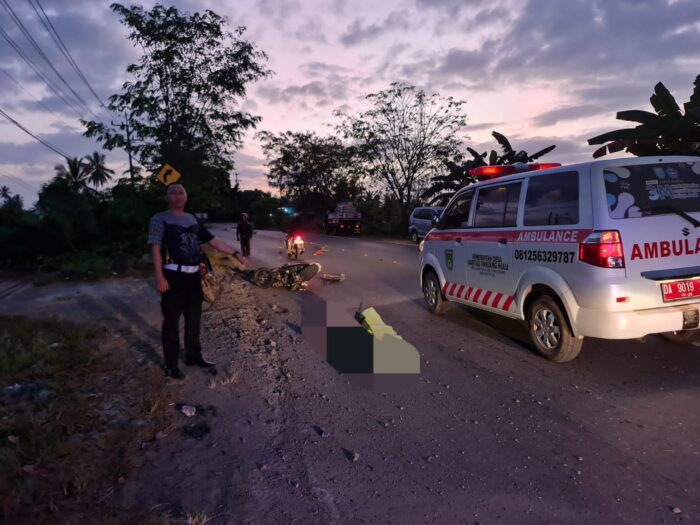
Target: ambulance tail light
[[603, 249], [491, 172]]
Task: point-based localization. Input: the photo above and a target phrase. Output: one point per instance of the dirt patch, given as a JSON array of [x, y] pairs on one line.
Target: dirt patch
[[77, 408]]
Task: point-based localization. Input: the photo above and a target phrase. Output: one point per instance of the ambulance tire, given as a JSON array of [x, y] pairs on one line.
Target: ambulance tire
[[433, 295], [550, 332], [681, 336]]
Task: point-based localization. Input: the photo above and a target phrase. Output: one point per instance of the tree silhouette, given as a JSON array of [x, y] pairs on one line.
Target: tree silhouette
[[668, 131], [97, 173]]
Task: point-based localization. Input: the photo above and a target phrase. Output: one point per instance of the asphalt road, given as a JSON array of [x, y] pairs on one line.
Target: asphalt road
[[490, 432]]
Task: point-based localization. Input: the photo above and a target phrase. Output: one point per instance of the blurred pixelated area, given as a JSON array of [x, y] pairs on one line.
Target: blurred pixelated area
[[356, 342]]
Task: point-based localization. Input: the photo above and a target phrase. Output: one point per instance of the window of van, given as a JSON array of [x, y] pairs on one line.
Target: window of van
[[457, 215], [552, 199], [652, 189], [497, 206]]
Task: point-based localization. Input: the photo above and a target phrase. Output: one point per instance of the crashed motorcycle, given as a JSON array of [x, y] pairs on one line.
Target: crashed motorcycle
[[295, 246], [293, 276]]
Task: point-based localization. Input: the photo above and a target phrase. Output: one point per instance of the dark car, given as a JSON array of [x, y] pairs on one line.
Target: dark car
[[421, 221]]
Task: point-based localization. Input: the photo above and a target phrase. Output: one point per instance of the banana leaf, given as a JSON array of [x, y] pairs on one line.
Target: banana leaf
[[664, 103], [542, 152], [503, 141], [640, 132]]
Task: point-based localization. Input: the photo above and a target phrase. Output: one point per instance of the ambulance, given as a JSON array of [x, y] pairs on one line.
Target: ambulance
[[607, 249]]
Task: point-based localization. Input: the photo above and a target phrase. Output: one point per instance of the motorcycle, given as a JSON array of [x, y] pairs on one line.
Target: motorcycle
[[292, 276], [295, 246]]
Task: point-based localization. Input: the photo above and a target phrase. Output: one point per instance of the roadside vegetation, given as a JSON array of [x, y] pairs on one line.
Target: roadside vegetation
[[72, 418], [183, 105]]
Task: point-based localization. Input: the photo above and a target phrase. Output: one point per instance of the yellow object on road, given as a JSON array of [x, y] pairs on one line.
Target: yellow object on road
[[391, 353]]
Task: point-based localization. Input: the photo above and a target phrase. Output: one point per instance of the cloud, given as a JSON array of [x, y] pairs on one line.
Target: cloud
[[310, 31], [452, 6], [359, 32]]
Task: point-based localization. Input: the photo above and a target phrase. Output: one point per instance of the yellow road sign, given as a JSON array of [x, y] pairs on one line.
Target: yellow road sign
[[168, 175]]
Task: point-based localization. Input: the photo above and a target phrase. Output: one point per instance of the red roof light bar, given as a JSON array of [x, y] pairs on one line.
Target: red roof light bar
[[492, 172]]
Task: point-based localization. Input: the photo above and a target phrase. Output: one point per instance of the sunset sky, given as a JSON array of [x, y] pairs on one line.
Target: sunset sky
[[540, 71]]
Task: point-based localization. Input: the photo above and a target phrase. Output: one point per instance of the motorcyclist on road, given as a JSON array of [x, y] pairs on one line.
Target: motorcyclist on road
[[293, 228]]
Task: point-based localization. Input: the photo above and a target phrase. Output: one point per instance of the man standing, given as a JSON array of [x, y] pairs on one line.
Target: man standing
[[175, 238], [244, 232]]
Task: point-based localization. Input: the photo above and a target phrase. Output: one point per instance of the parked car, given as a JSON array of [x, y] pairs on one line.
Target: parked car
[[607, 249], [421, 221]]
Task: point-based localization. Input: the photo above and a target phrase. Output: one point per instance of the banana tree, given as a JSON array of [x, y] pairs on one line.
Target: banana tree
[[668, 131], [445, 185]]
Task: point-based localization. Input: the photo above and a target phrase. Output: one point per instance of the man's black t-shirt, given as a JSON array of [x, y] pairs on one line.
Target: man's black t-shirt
[[179, 236]]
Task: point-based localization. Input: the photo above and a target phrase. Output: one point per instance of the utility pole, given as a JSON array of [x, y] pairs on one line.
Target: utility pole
[[125, 126]]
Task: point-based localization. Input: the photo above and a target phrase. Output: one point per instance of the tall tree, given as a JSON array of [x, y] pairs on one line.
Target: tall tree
[[5, 193], [668, 131], [73, 172], [403, 138], [98, 174], [183, 104], [310, 170]]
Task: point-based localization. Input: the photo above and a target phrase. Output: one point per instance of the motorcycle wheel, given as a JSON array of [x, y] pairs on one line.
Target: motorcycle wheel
[[263, 278]]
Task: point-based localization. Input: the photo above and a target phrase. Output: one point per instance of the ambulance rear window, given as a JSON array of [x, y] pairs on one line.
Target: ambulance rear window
[[552, 199], [652, 189]]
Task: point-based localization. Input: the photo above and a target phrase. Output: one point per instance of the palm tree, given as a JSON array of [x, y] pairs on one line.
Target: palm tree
[[74, 172], [97, 173], [444, 186], [5, 193], [669, 131]]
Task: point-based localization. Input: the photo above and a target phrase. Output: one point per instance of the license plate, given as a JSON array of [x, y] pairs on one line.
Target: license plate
[[678, 290]]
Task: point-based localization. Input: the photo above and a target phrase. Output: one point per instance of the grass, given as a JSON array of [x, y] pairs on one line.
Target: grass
[[58, 450]]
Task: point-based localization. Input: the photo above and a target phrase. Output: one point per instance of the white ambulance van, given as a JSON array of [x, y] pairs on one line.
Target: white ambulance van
[[607, 249]]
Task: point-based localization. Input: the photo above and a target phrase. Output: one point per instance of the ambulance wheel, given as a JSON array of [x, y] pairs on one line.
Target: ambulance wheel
[[681, 336], [433, 295], [414, 236], [550, 332]]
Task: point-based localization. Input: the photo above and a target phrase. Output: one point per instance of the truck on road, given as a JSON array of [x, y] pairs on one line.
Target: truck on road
[[345, 219]]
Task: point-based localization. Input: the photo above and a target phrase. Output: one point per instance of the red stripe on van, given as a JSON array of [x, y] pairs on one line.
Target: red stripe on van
[[469, 292], [496, 299], [459, 291], [546, 235], [476, 295], [509, 301], [486, 297], [444, 287], [452, 289]]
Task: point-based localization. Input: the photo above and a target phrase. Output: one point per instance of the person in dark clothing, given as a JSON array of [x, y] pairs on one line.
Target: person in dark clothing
[[175, 238], [244, 232]]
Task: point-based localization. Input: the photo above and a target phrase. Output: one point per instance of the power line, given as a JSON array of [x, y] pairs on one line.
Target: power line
[[44, 142], [38, 72], [17, 181], [51, 29], [36, 99], [43, 55]]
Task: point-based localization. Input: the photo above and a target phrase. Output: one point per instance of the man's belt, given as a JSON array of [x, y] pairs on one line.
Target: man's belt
[[181, 268]]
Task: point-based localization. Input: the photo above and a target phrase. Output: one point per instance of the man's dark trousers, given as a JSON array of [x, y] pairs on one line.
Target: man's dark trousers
[[245, 246], [184, 297]]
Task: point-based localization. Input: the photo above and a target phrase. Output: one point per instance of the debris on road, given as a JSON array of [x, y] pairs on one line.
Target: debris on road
[[188, 410], [321, 432], [351, 455], [278, 309], [196, 431], [321, 251], [333, 278]]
